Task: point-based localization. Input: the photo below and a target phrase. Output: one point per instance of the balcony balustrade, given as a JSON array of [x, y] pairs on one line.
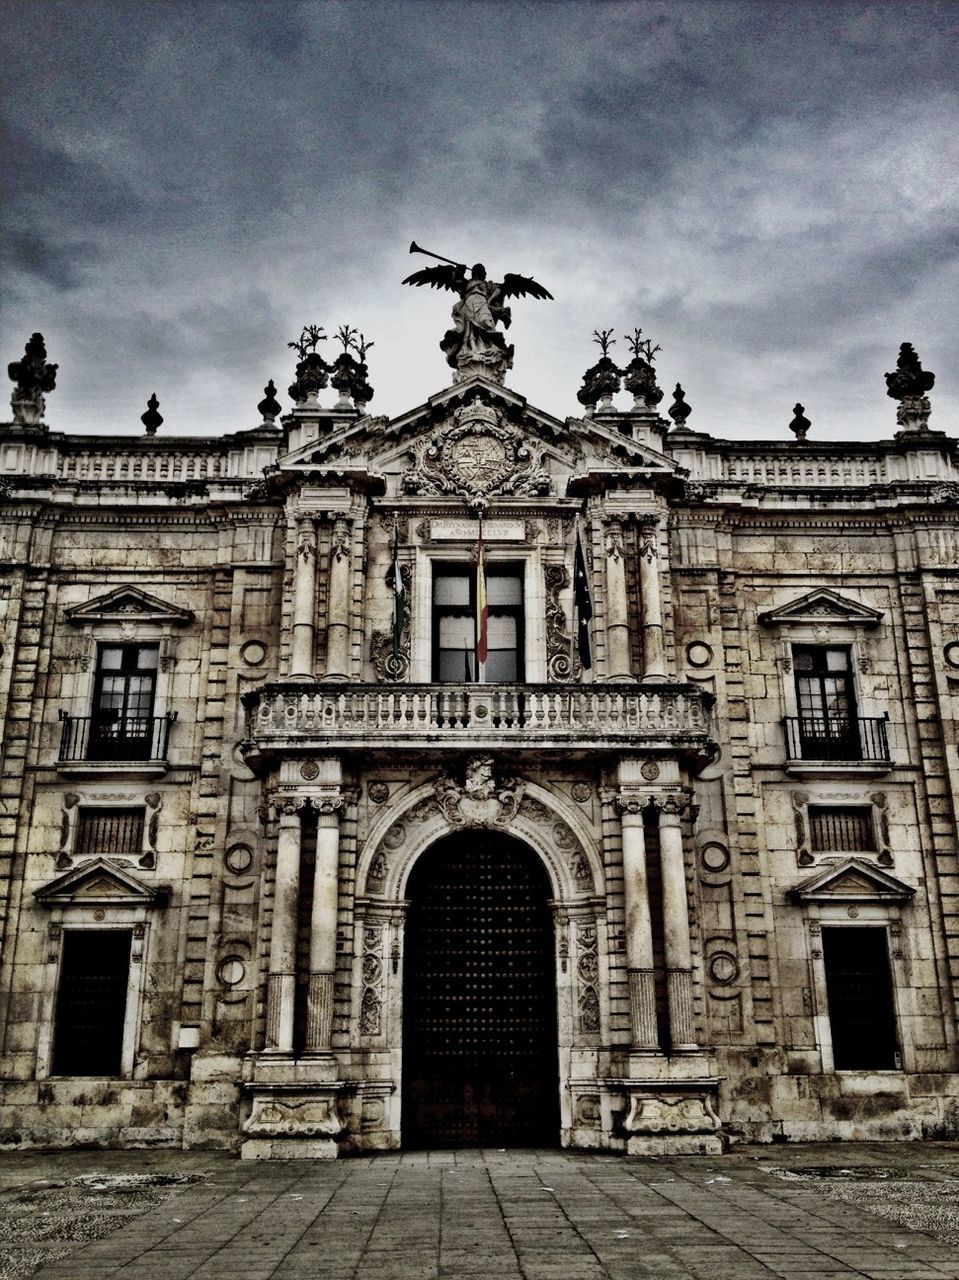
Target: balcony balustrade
[[836, 740], [127, 739], [290, 717]]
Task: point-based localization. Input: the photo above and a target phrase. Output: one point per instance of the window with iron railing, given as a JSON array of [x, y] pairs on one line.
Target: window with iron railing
[[106, 832], [846, 829], [122, 721]]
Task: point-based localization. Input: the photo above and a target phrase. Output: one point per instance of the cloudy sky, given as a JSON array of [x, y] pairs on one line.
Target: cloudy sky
[[768, 189]]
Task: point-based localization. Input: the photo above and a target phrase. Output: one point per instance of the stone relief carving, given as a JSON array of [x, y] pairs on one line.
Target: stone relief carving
[[562, 663], [390, 666], [275, 1117], [587, 974], [481, 800], [665, 1113], [476, 457], [371, 972]]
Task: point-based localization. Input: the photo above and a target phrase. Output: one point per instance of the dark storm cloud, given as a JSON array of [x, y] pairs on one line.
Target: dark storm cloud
[[755, 182]]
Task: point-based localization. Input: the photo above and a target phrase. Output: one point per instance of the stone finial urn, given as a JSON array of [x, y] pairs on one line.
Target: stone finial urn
[[33, 377], [908, 383]]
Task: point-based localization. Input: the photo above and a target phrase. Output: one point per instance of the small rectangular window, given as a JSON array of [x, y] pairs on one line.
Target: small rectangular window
[[91, 1002], [844, 829], [109, 831]]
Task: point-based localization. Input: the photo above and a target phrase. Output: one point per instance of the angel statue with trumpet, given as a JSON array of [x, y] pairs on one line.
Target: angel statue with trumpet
[[475, 345]]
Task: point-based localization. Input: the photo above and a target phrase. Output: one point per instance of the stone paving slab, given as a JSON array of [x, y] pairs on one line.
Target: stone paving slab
[[756, 1213]]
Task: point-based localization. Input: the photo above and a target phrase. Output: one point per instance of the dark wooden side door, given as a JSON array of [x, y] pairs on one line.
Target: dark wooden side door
[[480, 1061], [859, 988]]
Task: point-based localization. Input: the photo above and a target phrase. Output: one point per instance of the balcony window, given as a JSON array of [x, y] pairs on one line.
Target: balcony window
[[122, 721], [454, 625], [827, 706]]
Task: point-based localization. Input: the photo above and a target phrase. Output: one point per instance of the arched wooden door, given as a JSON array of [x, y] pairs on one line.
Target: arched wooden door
[[480, 1063]]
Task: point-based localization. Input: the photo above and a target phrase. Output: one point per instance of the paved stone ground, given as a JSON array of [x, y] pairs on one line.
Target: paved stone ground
[[485, 1215]]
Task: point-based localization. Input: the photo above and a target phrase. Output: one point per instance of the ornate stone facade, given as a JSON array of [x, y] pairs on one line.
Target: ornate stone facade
[[755, 777]]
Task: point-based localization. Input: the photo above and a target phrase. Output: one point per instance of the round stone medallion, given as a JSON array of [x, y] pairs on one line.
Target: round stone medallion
[[239, 858], [650, 770], [253, 653], [699, 654], [230, 971], [309, 770]]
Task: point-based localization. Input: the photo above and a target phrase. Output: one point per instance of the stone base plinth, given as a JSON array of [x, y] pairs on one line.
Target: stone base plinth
[[675, 1144], [289, 1149]]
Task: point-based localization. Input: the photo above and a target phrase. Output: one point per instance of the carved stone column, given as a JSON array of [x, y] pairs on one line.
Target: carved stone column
[[319, 1000], [338, 602], [303, 648], [617, 605], [679, 970], [639, 936], [651, 612], [281, 982]]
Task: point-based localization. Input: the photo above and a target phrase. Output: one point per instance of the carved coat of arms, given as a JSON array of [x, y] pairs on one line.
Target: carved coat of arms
[[475, 457]]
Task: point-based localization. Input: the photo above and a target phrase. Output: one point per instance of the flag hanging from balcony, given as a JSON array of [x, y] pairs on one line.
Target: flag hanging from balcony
[[482, 609], [582, 601], [399, 595]]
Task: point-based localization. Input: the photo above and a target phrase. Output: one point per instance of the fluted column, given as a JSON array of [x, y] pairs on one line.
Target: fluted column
[[679, 974], [639, 936], [617, 605], [319, 1000], [281, 982], [303, 648], [338, 602], [650, 605]]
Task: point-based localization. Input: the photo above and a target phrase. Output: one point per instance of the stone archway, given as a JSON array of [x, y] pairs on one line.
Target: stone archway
[[480, 1059]]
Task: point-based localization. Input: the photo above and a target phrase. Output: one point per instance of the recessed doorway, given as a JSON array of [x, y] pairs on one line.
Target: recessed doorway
[[480, 1064]]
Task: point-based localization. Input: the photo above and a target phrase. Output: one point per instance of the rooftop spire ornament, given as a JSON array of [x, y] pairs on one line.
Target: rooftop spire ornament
[[679, 410], [152, 418], [800, 424], [349, 376], [601, 380], [312, 371], [33, 376], [269, 406], [639, 375], [475, 346], [908, 383]]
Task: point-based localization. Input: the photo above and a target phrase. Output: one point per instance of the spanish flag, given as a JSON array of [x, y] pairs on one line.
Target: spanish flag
[[482, 609]]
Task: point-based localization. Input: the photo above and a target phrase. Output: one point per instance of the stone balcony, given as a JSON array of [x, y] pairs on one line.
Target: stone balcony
[[285, 718]]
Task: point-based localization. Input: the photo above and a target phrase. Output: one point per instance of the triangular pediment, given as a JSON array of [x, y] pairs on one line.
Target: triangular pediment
[[128, 604], [852, 880], [478, 439], [822, 606], [100, 881]]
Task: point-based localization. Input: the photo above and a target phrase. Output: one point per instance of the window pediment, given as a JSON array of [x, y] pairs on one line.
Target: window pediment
[[101, 881], [819, 607], [128, 604], [852, 881]]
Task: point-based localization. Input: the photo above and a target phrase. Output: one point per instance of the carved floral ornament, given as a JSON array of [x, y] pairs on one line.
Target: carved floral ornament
[[672, 804], [475, 457]]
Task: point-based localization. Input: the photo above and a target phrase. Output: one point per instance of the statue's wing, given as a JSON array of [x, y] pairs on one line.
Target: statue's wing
[[519, 286], [436, 277]]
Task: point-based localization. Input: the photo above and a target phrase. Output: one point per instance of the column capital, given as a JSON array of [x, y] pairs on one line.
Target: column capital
[[287, 804], [332, 803], [648, 537], [342, 531], [305, 538], [613, 537], [671, 805], [632, 802]]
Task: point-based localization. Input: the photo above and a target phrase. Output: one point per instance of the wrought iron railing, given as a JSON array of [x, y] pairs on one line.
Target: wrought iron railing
[[128, 738], [837, 738], [464, 713]]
